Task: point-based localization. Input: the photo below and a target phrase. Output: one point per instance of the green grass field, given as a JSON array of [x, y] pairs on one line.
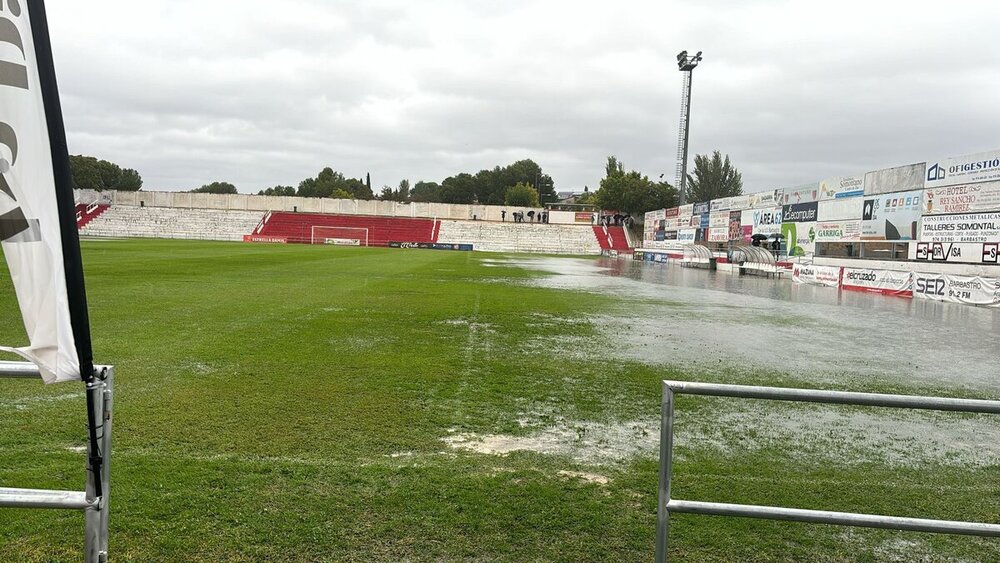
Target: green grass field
[[298, 403]]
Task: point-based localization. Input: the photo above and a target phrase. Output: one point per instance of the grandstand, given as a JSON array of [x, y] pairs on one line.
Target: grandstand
[[521, 237], [154, 221], [123, 221], [367, 229]]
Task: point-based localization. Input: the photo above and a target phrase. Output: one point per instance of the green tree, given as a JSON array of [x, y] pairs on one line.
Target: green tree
[[90, 173], [342, 194], [713, 178], [400, 194], [458, 189], [631, 192], [278, 190], [521, 195], [216, 188], [426, 192], [328, 181]]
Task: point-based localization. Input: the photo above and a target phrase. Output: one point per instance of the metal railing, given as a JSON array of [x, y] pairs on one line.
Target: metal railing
[[667, 505], [95, 508]]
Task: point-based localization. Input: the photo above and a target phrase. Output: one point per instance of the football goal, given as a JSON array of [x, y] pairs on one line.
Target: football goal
[[347, 236]]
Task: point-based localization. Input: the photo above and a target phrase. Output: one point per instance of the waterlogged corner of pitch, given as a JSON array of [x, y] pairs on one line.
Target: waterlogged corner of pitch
[[695, 319]]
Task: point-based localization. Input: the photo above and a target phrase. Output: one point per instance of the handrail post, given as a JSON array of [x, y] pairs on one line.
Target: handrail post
[[666, 471]]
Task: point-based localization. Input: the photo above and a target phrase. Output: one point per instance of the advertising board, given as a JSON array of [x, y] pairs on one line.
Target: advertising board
[[800, 238], [956, 252], [957, 289], [968, 169], [704, 220], [898, 179], [687, 235], [763, 221], [965, 198], [672, 212], [264, 238], [968, 227], [894, 216], [841, 187], [583, 217], [838, 231], [719, 219], [841, 209], [739, 202], [735, 225], [800, 194], [886, 282], [686, 210], [828, 276], [700, 208], [721, 204], [769, 198], [718, 234], [800, 212]]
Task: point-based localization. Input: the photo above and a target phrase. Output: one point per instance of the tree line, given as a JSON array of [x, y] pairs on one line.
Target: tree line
[[522, 183], [634, 193], [487, 187]]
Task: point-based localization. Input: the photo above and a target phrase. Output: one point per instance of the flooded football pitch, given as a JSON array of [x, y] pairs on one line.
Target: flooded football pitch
[[693, 317]]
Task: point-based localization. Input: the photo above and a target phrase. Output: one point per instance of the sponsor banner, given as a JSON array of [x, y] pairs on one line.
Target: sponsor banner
[[893, 216], [673, 212], [739, 203], [800, 212], [686, 210], [747, 233], [841, 187], [721, 204], [720, 219], [969, 227], [958, 252], [828, 276], [718, 234], [967, 198], [38, 229], [800, 194], [899, 179], [763, 221], [838, 231], [840, 209], [769, 198], [583, 217], [687, 235], [343, 241], [431, 245], [800, 238], [693, 221], [701, 208], [968, 169], [735, 225], [704, 222], [660, 235], [264, 238], [957, 289], [886, 282]]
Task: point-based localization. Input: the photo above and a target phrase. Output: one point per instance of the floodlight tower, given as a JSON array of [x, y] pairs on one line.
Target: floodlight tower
[[685, 64]]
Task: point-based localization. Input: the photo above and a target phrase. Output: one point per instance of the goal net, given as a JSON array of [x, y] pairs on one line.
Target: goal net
[[346, 236]]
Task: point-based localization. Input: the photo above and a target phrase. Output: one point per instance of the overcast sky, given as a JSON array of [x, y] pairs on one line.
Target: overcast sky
[[261, 93]]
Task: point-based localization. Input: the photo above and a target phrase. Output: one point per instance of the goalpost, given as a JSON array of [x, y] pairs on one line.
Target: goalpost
[[346, 236]]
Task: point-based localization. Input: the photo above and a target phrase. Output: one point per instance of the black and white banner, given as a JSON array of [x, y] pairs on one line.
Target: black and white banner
[[37, 218]]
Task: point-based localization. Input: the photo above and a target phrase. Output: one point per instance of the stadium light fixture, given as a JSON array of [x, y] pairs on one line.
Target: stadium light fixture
[[686, 64]]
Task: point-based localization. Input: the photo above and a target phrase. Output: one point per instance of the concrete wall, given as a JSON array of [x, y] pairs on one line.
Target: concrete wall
[[249, 202]]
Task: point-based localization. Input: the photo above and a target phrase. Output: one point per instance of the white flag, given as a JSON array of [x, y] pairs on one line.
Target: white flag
[[37, 219]]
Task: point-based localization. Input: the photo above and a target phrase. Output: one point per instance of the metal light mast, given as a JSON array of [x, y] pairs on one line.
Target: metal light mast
[[685, 64]]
